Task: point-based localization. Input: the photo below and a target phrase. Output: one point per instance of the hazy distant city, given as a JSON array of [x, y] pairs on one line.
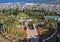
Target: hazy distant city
[[31, 6]]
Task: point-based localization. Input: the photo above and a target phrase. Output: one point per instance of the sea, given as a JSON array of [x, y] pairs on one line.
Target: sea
[[26, 1]]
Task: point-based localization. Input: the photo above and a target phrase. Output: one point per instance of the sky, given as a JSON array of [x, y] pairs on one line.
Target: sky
[[2, 1], [32, 1]]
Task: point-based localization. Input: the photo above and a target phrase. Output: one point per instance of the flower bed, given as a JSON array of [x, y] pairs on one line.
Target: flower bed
[[17, 34], [13, 36]]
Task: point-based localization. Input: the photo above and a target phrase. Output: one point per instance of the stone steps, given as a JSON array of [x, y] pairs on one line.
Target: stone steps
[[31, 33]]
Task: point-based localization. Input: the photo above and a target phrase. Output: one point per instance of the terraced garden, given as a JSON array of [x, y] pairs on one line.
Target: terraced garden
[[10, 21]]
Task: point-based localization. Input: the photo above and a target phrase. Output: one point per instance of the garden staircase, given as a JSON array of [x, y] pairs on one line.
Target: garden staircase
[[31, 33]]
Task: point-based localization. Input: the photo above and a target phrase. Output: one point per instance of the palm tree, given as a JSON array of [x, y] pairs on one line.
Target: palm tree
[[9, 23]]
